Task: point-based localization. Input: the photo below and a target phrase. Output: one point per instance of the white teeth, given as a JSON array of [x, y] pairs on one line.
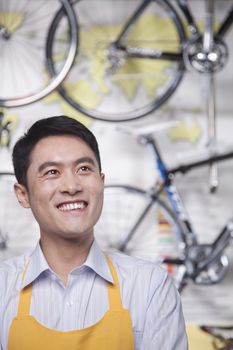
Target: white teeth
[[72, 206]]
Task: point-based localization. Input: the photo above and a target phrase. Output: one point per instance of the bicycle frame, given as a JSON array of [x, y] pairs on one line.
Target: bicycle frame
[[224, 26], [145, 53], [173, 195], [192, 27], [197, 257], [206, 53]]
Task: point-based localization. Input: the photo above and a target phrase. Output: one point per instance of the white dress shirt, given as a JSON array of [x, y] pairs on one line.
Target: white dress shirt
[[146, 291]]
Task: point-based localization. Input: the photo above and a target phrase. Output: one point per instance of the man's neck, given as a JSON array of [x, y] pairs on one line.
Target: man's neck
[[64, 256]]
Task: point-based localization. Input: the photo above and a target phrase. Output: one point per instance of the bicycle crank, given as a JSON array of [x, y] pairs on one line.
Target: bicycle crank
[[210, 62]]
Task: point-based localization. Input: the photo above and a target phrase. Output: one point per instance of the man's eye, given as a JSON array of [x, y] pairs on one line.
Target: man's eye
[[51, 172], [84, 169]]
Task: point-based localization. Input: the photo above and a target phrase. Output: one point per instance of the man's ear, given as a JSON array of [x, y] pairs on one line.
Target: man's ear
[[22, 195], [102, 177]]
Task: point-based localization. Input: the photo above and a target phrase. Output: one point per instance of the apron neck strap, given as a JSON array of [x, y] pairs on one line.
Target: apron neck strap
[[114, 296], [25, 301], [25, 298], [113, 293]]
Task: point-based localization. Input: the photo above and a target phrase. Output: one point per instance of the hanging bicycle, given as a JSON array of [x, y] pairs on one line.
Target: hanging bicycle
[[133, 54]]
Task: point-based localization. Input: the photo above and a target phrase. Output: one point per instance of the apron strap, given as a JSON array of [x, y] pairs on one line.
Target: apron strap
[[25, 297], [114, 296], [25, 301], [113, 293]]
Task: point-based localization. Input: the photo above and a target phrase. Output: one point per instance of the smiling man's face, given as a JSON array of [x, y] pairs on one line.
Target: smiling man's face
[[65, 188]]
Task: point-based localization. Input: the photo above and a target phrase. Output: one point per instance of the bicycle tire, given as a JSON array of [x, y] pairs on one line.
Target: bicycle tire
[[24, 26], [158, 235], [138, 86], [19, 231]]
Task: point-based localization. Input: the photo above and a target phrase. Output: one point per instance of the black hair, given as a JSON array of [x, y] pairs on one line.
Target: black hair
[[52, 126]]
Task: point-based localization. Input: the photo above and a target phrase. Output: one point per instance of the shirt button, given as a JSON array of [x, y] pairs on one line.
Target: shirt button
[[70, 303]]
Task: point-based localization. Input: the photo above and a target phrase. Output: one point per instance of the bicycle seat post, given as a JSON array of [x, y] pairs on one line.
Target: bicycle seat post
[[208, 42]]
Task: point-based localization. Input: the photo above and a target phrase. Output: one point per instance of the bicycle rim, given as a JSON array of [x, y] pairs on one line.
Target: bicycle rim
[[105, 83], [19, 231], [158, 235], [24, 27]]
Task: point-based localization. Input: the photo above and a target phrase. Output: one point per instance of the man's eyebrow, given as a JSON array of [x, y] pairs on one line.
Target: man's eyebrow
[[47, 165], [56, 164], [85, 160]]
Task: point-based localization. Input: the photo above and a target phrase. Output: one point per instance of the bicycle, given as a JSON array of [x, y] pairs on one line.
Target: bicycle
[[141, 222], [24, 26], [222, 337], [133, 56]]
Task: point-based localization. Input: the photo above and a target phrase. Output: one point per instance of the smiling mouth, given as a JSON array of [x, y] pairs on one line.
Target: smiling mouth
[[72, 206]]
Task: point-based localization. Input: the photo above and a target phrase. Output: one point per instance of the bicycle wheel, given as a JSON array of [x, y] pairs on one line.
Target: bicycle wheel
[[129, 61], [135, 222], [18, 229], [24, 26]]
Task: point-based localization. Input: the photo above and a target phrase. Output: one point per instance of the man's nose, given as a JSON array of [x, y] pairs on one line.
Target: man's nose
[[70, 184]]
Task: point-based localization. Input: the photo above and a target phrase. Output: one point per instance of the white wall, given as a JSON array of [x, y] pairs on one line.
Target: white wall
[[125, 161]]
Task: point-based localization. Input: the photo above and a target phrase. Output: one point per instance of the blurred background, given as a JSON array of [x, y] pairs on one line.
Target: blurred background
[[125, 161]]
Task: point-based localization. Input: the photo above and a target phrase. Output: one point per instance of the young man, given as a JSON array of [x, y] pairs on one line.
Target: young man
[[67, 294]]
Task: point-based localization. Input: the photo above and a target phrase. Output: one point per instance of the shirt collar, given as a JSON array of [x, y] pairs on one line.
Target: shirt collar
[[96, 261], [35, 266]]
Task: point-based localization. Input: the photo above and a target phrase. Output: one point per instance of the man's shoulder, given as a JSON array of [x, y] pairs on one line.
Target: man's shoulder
[[138, 267], [11, 268], [129, 260], [12, 262], [140, 279]]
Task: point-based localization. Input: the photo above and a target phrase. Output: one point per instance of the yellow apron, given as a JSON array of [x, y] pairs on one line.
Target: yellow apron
[[112, 332]]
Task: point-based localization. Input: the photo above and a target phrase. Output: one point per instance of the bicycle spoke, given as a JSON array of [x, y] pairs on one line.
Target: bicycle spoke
[[24, 27]]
